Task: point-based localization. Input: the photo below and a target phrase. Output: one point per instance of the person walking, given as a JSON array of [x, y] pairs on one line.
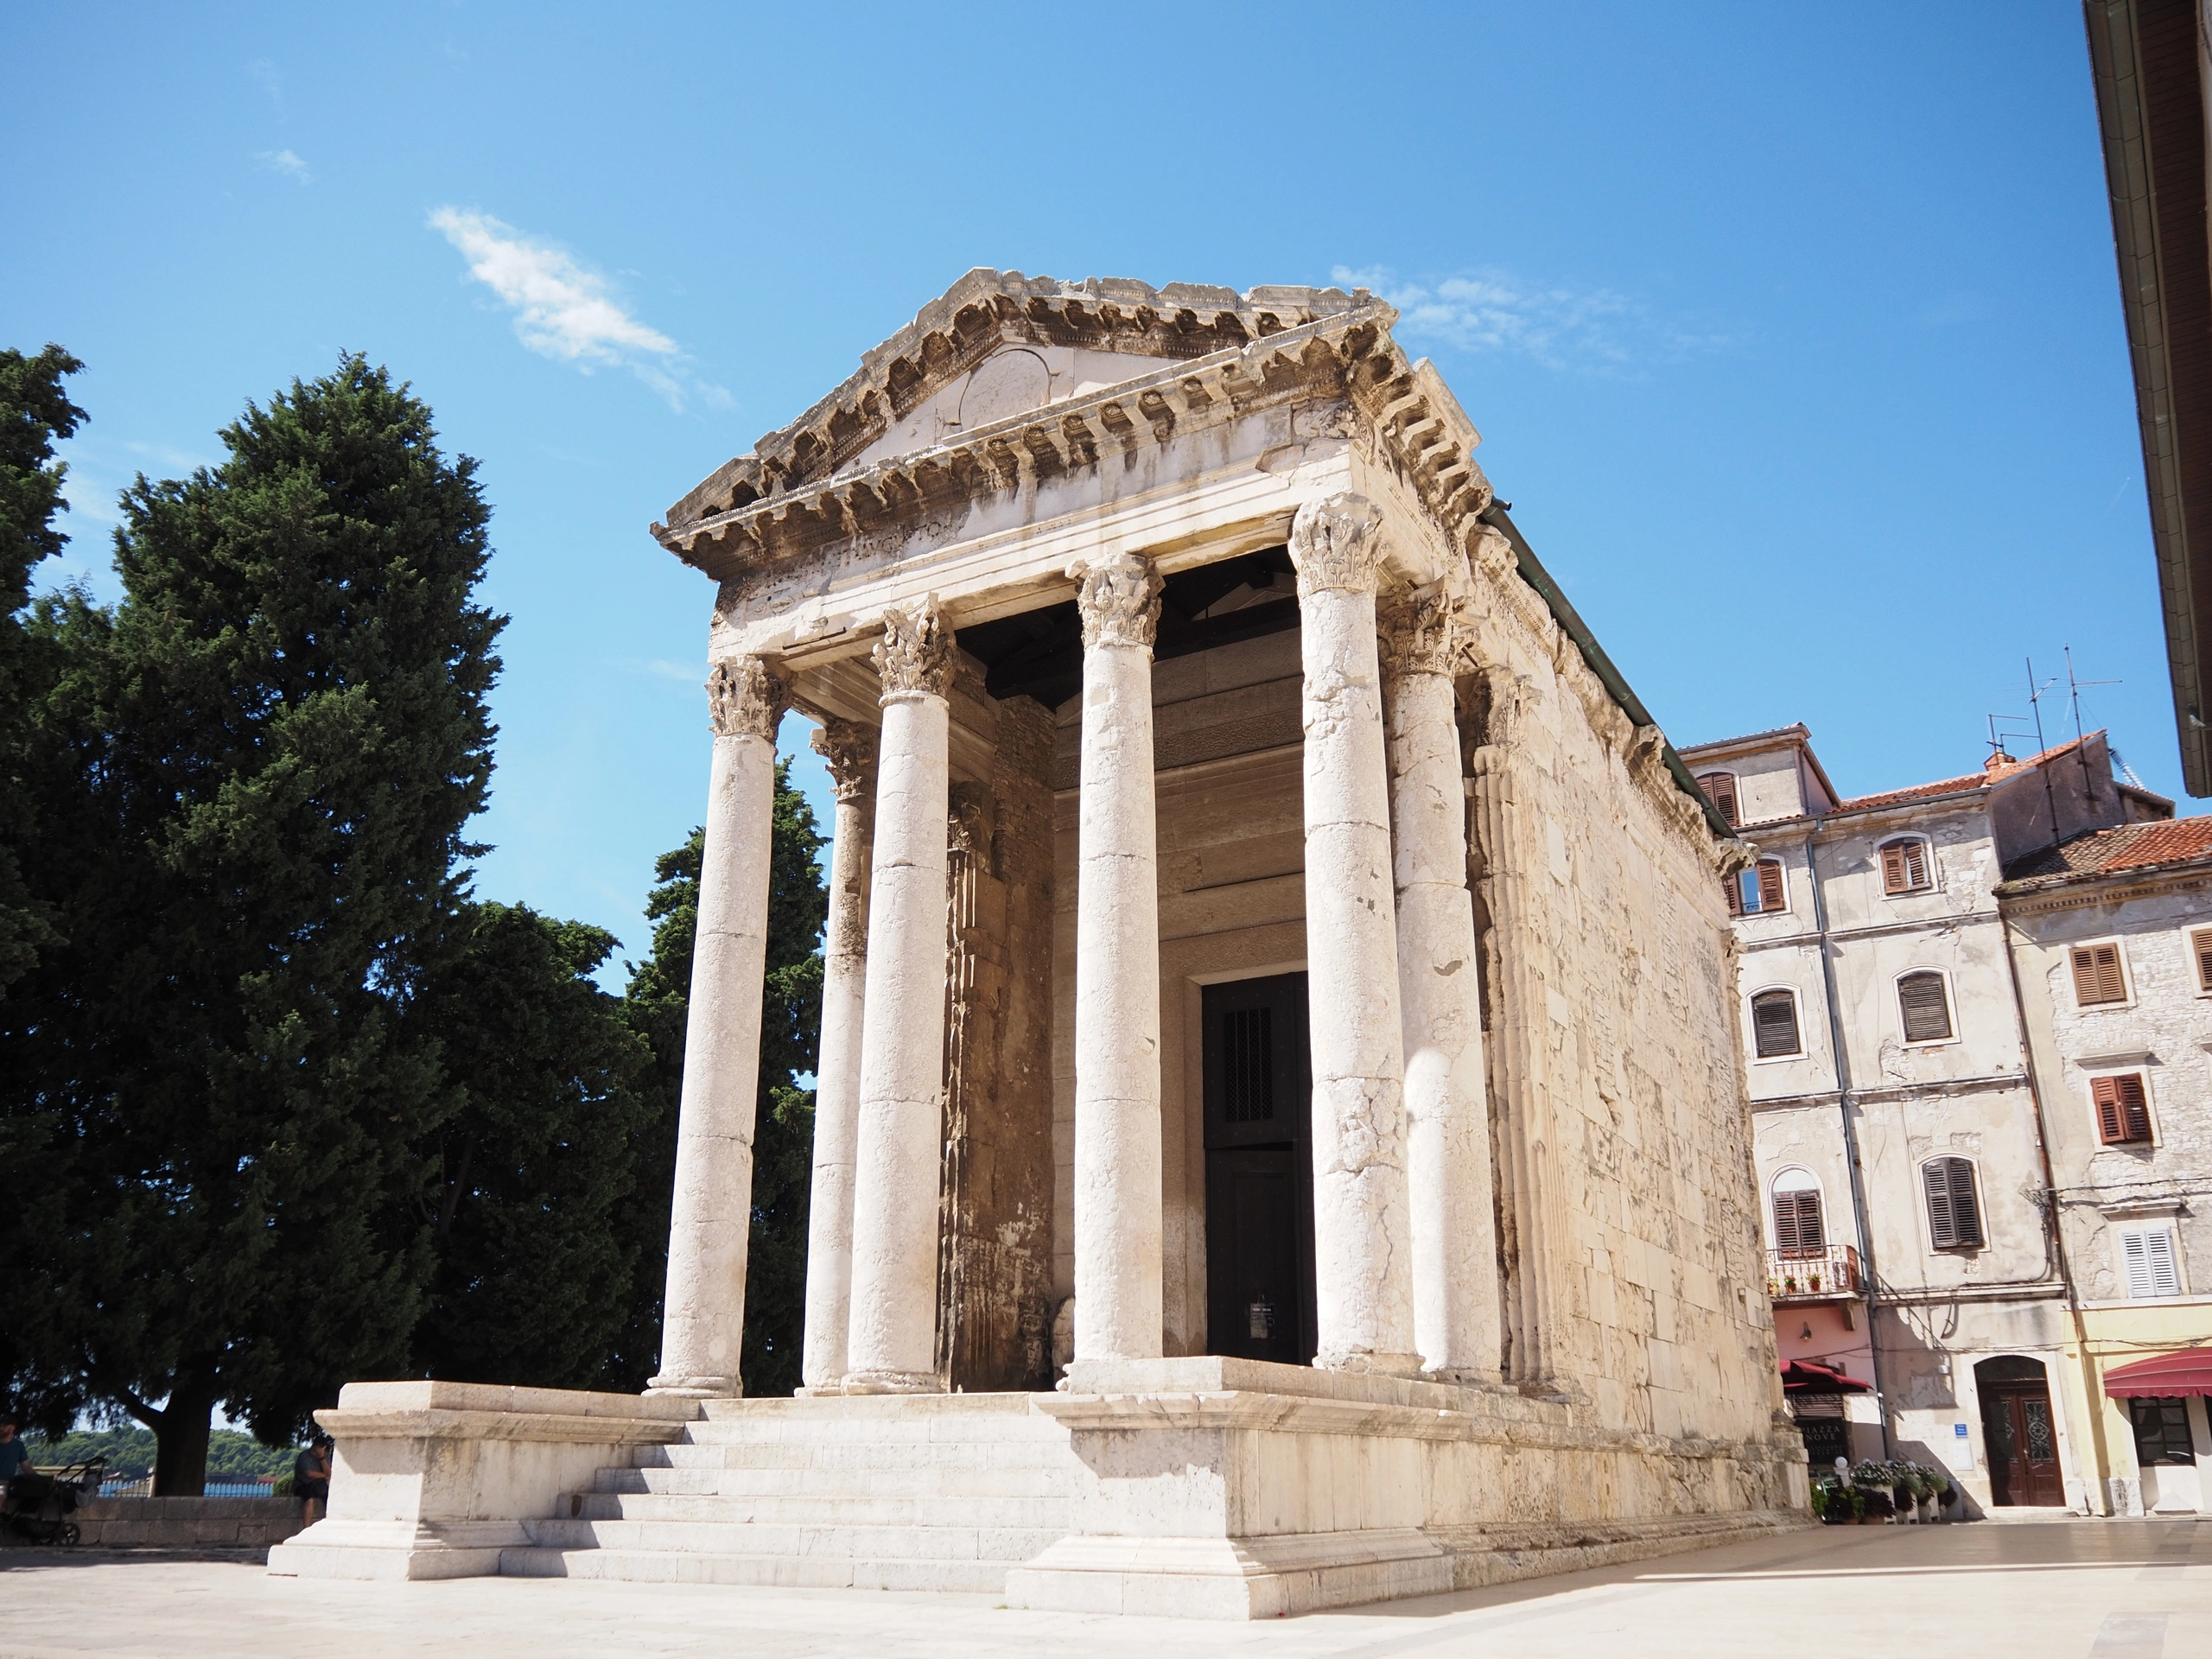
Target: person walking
[[311, 1479], [15, 1455]]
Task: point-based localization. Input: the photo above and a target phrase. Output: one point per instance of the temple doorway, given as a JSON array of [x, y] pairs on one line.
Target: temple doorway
[[1259, 1171]]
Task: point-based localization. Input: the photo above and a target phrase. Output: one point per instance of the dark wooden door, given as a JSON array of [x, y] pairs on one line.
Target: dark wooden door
[[1259, 1171], [2023, 1444]]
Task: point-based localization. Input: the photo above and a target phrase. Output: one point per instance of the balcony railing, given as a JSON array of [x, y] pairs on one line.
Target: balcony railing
[[1828, 1275]]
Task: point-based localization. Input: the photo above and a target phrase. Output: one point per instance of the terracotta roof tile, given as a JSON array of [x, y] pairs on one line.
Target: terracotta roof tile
[[2129, 846]]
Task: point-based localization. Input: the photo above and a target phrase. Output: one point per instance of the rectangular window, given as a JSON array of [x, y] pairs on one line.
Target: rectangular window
[[1773, 1024], [1721, 788], [2148, 1254], [1926, 1010], [2096, 975], [1248, 1064], [2199, 946], [2161, 1431], [2123, 1108], [1904, 866], [1954, 1217]]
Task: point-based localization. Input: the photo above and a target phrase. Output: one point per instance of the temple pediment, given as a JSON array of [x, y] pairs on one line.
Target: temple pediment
[[998, 344]]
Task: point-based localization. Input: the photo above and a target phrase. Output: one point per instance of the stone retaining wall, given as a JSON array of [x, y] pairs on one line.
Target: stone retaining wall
[[184, 1523]]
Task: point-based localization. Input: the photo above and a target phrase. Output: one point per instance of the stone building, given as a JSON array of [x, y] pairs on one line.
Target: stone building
[[1910, 1069], [1281, 1137], [2112, 933]]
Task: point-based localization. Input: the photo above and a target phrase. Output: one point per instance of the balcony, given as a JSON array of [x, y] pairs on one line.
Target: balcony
[[1828, 1275]]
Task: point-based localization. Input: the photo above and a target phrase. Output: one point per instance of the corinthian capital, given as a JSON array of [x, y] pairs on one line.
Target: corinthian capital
[[1336, 545], [745, 700], [850, 747], [915, 653], [1420, 634], [1119, 603]]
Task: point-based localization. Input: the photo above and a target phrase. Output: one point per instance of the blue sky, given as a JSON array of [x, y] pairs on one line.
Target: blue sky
[[1793, 331]]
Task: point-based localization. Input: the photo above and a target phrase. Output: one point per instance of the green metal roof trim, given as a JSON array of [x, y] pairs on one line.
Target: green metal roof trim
[[1533, 572]]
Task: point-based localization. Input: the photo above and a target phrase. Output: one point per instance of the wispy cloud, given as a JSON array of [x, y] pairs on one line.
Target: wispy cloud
[[1560, 325], [265, 76], [282, 160], [567, 311]]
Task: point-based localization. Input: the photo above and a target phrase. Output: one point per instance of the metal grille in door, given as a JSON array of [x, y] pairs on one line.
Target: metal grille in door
[[1248, 1065]]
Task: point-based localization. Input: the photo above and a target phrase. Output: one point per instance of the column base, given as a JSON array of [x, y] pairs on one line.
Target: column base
[[1360, 1361], [892, 1382], [695, 1387]]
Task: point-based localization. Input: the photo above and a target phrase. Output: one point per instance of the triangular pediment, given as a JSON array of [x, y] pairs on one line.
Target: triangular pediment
[[995, 344]]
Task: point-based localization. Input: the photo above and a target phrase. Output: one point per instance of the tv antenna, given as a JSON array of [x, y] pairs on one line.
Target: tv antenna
[[2081, 749]]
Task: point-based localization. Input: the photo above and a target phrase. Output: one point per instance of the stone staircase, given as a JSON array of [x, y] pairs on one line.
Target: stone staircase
[[939, 1492]]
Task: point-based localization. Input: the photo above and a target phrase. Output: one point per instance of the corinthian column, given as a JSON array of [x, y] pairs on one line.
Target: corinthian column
[[1447, 1115], [703, 1322], [1361, 1232], [892, 1334], [1117, 1201], [850, 747]]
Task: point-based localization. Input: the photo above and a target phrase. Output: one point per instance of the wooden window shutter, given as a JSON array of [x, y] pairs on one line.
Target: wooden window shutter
[[1893, 867], [2123, 1108], [1926, 1010], [1916, 864], [2202, 943], [1954, 1217], [1773, 1024], [2096, 975], [1721, 787], [1797, 1229], [1771, 896], [2152, 1270], [1732, 888]]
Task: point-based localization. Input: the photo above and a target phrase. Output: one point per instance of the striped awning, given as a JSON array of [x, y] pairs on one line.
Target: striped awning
[[2189, 1372]]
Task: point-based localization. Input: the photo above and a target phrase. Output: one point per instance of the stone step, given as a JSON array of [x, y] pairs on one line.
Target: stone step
[[816, 1510], [861, 1408], [842, 1483], [792, 1571], [849, 1543], [1023, 1453], [979, 1430]]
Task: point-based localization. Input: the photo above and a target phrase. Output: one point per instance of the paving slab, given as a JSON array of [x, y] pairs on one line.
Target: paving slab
[[2082, 1590]]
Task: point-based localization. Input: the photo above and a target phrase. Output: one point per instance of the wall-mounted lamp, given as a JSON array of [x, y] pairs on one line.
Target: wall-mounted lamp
[[1806, 1335]]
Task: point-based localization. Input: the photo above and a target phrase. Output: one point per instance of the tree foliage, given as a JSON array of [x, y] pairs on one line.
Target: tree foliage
[[265, 754]]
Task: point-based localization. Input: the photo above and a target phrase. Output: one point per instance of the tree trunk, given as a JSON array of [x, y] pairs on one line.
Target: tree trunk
[[181, 1436]]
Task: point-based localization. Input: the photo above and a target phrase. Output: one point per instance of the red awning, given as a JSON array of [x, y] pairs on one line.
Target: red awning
[[2189, 1372], [1804, 1377]]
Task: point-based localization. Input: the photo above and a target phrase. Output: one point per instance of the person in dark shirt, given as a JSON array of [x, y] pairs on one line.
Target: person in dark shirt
[[311, 1479], [14, 1456]]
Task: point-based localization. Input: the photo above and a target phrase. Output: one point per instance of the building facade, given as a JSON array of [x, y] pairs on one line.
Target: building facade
[[1902, 1087]]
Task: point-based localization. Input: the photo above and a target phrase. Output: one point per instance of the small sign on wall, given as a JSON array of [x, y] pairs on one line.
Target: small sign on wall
[[1961, 1447]]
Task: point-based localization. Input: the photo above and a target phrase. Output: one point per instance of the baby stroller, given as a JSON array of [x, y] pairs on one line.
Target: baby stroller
[[38, 1506]]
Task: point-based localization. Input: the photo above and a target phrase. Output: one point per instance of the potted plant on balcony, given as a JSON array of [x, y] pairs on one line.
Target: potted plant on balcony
[[1789, 1284]]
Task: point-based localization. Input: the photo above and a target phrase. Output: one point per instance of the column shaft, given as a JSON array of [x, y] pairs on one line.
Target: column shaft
[[710, 1223], [1361, 1229], [1447, 1113], [850, 749], [1118, 1229], [892, 1333]]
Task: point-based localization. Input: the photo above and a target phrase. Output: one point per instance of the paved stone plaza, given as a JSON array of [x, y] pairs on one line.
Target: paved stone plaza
[[2114, 1590]]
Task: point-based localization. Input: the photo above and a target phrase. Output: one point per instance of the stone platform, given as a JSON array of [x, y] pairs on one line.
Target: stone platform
[[1197, 1488]]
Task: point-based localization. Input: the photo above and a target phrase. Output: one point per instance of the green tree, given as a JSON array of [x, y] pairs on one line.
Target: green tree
[[34, 412], [783, 1144], [538, 1149], [271, 747]]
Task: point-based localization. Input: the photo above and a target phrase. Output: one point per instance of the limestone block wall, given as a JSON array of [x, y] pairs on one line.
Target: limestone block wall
[[1634, 1273]]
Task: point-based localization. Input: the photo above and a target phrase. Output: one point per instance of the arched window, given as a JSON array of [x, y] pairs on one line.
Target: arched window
[[1773, 1024], [1720, 789], [1905, 865], [1953, 1212], [1798, 1233], [1758, 890], [1926, 1006]]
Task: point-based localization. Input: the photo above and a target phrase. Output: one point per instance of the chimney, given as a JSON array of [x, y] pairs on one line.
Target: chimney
[[1998, 761]]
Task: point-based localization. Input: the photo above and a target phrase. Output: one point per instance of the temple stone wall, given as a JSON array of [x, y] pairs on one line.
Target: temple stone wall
[[1622, 1137]]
